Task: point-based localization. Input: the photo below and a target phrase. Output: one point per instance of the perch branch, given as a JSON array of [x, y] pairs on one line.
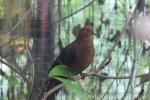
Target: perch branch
[[118, 77], [88, 75]]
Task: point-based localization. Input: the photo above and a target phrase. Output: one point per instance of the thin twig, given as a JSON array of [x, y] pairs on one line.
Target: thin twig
[[70, 15], [14, 38], [134, 69], [141, 94], [51, 91], [26, 12], [147, 92], [16, 71], [125, 58], [132, 15], [33, 72], [118, 77], [106, 63]]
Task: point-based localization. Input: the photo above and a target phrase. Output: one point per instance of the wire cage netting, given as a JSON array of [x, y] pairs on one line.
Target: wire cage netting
[[34, 32]]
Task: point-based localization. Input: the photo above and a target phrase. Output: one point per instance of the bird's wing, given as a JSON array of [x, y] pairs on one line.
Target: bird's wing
[[66, 57]]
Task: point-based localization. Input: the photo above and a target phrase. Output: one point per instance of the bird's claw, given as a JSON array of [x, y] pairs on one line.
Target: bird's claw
[[83, 75]]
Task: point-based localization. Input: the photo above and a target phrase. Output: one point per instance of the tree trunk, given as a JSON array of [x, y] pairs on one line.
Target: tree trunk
[[45, 37]]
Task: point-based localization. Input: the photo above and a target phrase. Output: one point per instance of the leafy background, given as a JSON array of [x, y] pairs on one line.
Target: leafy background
[[108, 16]]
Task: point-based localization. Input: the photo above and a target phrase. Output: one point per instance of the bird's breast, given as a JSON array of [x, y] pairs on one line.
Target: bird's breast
[[85, 55]]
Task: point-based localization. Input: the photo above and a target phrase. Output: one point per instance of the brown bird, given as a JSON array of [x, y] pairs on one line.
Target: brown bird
[[78, 56]]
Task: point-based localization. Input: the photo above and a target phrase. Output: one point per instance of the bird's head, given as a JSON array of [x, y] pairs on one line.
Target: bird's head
[[87, 30]]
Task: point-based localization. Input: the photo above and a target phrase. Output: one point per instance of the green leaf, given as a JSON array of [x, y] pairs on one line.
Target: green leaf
[[61, 70], [75, 87]]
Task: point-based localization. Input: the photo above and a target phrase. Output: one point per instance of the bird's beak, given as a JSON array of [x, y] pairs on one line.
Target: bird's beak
[[94, 34]]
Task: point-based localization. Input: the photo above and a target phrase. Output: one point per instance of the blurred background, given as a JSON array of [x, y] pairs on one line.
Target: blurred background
[[33, 33]]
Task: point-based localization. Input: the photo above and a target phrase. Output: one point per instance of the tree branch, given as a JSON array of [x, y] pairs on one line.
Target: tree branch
[[51, 91], [88, 75], [119, 77], [16, 70]]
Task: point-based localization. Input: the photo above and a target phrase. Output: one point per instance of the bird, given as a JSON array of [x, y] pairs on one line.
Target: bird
[[78, 55]]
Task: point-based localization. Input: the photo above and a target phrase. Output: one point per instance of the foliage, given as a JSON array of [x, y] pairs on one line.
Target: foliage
[[62, 71], [64, 74]]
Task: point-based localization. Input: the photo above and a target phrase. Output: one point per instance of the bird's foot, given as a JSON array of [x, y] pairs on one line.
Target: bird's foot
[[83, 75]]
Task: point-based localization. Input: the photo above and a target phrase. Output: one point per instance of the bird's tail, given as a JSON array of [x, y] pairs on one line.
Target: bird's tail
[[50, 84]]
